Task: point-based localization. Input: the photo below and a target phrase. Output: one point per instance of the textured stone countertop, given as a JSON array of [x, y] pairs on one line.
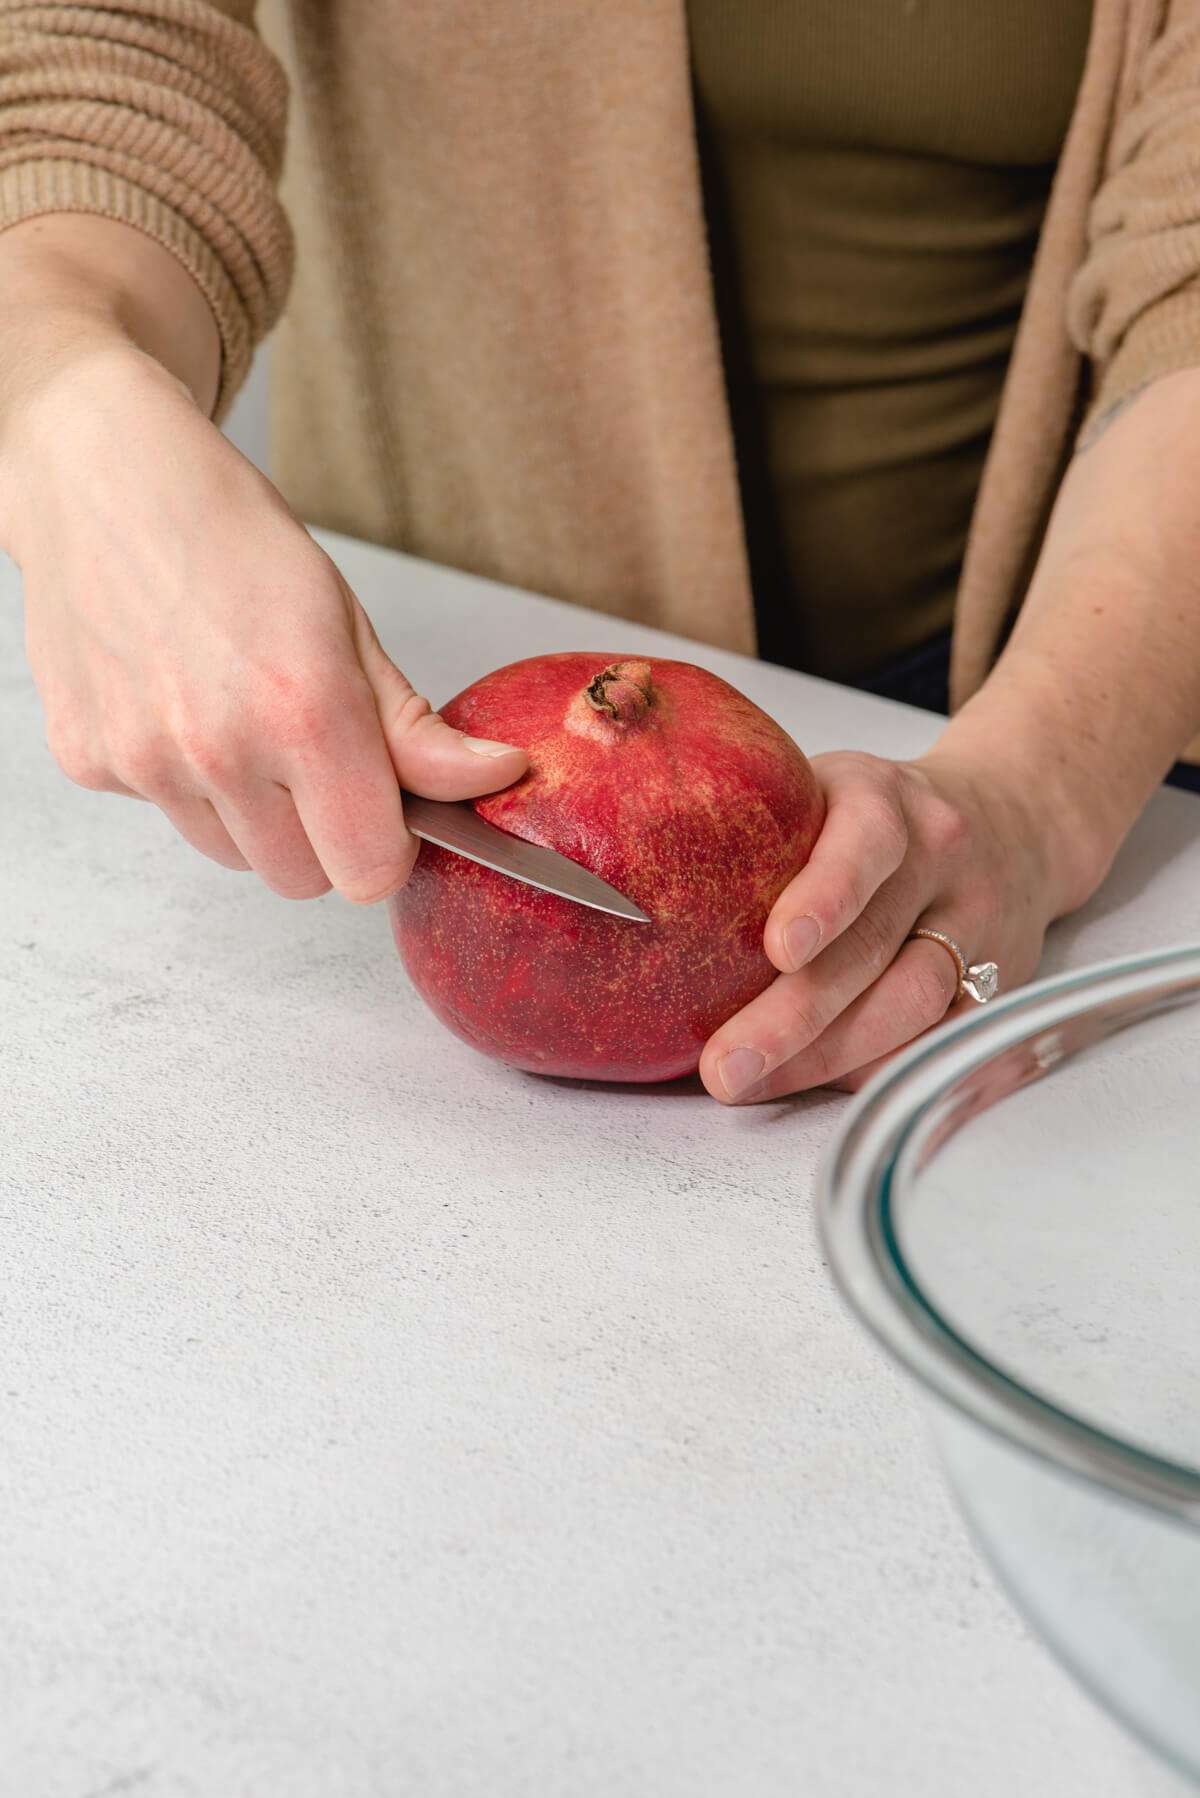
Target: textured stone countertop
[[377, 1420]]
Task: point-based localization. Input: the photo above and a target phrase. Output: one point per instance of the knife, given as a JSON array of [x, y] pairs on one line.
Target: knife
[[456, 825]]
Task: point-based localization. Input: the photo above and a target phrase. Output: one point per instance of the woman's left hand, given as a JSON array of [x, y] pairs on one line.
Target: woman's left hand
[[932, 843]]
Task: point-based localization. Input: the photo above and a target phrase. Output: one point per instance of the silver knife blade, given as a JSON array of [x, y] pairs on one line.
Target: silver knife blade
[[455, 825]]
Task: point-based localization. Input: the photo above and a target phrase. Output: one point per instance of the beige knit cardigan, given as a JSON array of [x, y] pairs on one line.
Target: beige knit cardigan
[[501, 351]]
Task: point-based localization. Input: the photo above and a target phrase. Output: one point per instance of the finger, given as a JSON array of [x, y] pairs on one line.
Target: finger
[[914, 994], [348, 800], [429, 756], [198, 824], [85, 769], [797, 1010], [863, 841], [266, 828]]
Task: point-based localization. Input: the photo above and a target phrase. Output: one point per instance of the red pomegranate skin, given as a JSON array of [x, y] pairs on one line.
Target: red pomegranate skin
[[669, 784]]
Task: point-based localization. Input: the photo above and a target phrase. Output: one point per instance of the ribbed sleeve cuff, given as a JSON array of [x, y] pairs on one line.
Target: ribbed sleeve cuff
[[57, 184], [1163, 340]]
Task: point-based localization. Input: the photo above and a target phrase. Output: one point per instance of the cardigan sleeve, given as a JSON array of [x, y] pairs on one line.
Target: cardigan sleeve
[[168, 115], [1134, 305]]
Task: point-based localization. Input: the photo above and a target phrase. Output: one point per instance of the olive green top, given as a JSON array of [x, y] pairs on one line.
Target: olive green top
[[876, 173]]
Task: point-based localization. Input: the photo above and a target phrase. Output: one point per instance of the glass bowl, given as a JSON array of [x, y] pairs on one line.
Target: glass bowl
[[1013, 1208]]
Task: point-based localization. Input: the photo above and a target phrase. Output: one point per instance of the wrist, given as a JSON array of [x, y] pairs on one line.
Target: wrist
[[1043, 797], [82, 271], [80, 373]]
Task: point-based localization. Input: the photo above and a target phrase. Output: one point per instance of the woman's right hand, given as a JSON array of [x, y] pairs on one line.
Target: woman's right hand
[[194, 647]]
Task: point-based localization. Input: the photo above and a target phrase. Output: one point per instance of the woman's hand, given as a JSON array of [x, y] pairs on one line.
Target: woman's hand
[[192, 646], [933, 843]]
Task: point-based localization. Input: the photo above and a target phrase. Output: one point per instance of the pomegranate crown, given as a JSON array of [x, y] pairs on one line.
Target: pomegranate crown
[[622, 692]]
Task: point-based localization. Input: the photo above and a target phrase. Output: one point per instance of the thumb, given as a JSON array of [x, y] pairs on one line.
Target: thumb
[[429, 756]]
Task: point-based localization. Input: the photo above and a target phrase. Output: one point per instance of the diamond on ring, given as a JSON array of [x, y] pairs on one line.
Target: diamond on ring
[[980, 980]]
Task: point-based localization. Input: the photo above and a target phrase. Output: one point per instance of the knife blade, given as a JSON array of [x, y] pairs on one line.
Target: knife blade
[[455, 825]]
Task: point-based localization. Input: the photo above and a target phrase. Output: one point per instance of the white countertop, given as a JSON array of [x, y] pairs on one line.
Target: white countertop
[[378, 1420]]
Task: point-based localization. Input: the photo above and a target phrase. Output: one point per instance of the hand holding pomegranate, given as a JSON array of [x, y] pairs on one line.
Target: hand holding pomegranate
[[937, 843]]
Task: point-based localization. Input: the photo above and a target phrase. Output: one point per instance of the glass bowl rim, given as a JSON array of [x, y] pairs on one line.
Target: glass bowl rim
[[868, 1264]]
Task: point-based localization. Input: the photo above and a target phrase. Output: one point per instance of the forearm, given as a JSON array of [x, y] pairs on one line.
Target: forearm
[[71, 283], [1098, 690]]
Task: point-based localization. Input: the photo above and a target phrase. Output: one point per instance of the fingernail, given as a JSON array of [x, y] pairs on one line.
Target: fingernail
[[740, 1069], [800, 940], [485, 746]]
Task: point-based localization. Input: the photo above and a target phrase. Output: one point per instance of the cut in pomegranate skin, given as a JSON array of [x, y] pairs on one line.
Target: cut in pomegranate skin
[[666, 782]]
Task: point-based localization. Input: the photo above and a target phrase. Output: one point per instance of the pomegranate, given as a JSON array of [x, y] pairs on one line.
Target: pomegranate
[[669, 784]]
